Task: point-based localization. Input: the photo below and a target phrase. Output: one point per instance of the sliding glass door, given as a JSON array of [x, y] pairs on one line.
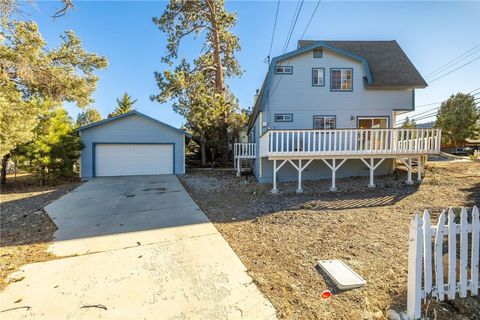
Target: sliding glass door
[[373, 139], [372, 122]]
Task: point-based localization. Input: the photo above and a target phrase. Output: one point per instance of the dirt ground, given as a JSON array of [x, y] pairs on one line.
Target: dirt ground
[[281, 237], [25, 229]]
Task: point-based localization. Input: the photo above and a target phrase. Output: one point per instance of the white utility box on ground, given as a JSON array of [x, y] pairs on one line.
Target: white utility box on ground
[[343, 277]]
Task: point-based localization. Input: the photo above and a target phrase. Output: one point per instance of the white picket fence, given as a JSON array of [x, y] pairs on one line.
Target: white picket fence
[[426, 273]]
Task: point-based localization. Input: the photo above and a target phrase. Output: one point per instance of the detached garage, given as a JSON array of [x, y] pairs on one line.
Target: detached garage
[[131, 144]]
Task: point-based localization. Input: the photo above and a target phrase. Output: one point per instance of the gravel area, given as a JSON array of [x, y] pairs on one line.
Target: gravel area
[[25, 229], [281, 237]]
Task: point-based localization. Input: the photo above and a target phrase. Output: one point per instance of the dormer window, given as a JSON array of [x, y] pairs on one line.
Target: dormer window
[[317, 53], [283, 69]]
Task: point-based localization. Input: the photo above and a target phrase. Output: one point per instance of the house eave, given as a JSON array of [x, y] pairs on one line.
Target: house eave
[[134, 112]]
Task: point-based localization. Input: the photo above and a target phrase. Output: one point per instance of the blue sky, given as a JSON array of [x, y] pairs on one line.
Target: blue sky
[[431, 33]]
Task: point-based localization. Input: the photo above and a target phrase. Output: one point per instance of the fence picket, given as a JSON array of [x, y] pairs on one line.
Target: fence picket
[[420, 255], [438, 255], [452, 255], [414, 297], [475, 251], [463, 253], [427, 248]]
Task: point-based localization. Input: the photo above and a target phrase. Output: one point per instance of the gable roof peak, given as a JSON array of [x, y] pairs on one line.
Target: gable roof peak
[[130, 113]]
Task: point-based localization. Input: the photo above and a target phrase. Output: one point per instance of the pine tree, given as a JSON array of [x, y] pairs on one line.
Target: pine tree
[[215, 62], [124, 105], [31, 72], [458, 117], [54, 148], [409, 123], [88, 116]]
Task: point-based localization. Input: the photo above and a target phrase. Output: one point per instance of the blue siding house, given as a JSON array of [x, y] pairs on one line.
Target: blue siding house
[[328, 109], [131, 144]]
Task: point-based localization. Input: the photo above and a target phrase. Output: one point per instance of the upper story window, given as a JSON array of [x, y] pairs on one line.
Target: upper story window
[[317, 53], [283, 117], [283, 69], [318, 77], [341, 79], [324, 122]]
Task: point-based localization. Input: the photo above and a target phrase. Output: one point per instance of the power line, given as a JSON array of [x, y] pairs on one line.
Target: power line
[[474, 90], [273, 33], [290, 27], [311, 18], [427, 116], [293, 27], [446, 74], [428, 104], [428, 111], [451, 61]]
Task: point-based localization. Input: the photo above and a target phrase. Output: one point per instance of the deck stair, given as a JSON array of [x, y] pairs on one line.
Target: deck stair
[[243, 155]]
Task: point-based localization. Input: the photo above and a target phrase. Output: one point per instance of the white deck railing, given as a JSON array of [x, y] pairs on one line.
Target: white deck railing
[[244, 151], [427, 277], [350, 142]]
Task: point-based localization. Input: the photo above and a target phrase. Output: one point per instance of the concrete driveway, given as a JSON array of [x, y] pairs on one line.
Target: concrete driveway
[[134, 248]]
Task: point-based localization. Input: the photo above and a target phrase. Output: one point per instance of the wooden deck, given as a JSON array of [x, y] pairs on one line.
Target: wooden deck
[[334, 147]]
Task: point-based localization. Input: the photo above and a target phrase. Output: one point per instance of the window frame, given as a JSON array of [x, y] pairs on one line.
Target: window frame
[[291, 70], [318, 50], [283, 114], [341, 81], [324, 118], [313, 77]]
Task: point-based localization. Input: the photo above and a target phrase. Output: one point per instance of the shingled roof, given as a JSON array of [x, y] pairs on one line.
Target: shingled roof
[[387, 66]]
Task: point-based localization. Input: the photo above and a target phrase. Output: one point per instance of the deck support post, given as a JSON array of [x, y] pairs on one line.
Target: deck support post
[[420, 169], [408, 164], [334, 167], [299, 188], [238, 167], [300, 169], [371, 184], [275, 169], [409, 174], [372, 166], [274, 189]]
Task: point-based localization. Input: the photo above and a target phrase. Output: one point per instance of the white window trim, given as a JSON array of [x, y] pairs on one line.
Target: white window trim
[[343, 76], [283, 68], [372, 118], [283, 117], [319, 71], [325, 117]]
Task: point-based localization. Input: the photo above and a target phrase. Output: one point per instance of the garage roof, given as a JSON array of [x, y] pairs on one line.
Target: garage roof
[[131, 113]]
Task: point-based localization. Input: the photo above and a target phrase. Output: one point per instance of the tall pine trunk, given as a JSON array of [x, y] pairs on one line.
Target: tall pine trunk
[[3, 174], [203, 151], [219, 77], [43, 175]]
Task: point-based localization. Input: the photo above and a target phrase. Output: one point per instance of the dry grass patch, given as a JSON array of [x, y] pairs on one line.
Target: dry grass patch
[[25, 229], [281, 237]]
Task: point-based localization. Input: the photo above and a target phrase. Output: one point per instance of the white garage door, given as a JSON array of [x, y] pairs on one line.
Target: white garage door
[[133, 159]]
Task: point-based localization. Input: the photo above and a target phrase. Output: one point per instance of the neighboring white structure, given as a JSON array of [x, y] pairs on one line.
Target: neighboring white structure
[[327, 110]]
